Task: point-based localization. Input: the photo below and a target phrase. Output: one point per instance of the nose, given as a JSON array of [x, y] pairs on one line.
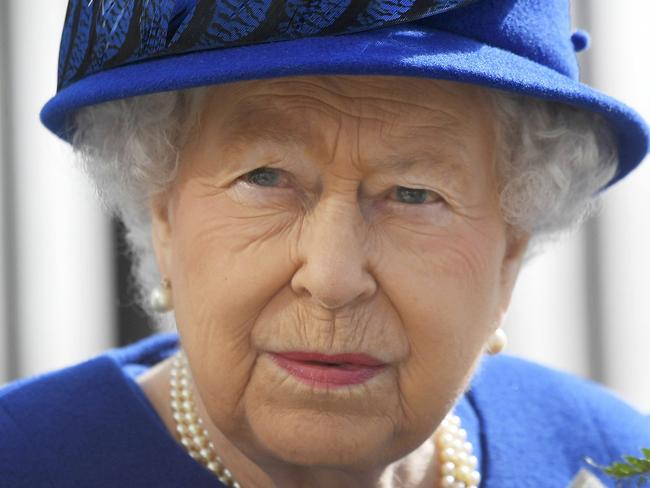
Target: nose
[[332, 253]]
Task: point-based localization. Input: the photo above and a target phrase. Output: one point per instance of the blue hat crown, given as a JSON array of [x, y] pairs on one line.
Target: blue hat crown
[[539, 30]]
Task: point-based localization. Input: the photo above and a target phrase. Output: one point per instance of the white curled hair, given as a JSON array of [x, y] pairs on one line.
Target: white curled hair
[[551, 162]]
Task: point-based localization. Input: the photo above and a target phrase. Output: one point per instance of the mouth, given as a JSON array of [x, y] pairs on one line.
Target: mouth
[[329, 370]]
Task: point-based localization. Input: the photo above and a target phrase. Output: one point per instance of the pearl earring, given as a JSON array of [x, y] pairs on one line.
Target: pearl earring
[[497, 342], [160, 299]]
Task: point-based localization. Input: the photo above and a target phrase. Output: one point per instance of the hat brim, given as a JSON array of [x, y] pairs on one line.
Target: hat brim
[[404, 50]]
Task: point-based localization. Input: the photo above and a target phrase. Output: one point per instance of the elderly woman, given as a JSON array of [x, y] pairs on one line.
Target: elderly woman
[[330, 203]]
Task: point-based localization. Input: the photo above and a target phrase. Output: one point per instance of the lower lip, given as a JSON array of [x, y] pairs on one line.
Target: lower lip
[[315, 374]]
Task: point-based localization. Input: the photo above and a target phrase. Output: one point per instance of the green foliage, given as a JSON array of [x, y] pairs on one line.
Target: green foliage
[[634, 470]]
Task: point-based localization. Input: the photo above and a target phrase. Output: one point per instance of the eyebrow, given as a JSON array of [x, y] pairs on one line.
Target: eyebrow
[[273, 136], [250, 125], [429, 156]]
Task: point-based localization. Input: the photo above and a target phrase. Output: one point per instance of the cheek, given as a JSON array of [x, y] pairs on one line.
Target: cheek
[[445, 286], [449, 272], [227, 266]]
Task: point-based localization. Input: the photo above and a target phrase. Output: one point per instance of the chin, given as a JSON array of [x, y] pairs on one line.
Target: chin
[[317, 438]]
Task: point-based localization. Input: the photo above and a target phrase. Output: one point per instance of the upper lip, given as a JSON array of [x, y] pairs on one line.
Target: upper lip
[[361, 359]]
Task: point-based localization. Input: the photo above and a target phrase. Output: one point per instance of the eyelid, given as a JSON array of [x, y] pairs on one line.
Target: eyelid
[[298, 178], [284, 174], [435, 197]]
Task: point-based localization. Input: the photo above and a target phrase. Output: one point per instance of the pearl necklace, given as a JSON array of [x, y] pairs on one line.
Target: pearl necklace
[[457, 464]]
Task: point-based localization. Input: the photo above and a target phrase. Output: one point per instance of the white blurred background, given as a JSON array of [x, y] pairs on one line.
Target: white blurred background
[[583, 306]]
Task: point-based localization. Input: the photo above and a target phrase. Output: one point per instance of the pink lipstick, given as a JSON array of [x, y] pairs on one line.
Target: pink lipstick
[[329, 370]]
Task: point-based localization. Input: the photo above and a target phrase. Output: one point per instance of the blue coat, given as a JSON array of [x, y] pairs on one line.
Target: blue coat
[[90, 425]]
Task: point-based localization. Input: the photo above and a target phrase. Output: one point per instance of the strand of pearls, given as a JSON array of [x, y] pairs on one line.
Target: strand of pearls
[[189, 425], [457, 463], [458, 466]]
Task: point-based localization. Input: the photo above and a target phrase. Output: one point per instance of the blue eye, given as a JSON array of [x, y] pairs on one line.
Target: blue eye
[[263, 176], [412, 195]]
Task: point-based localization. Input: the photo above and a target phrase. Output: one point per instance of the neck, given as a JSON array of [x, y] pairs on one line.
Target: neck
[[416, 470]]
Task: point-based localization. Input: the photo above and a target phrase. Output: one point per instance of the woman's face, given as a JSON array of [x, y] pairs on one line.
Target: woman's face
[[336, 215]]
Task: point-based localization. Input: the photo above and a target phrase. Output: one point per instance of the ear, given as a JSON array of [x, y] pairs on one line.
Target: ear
[[516, 247], [160, 208]]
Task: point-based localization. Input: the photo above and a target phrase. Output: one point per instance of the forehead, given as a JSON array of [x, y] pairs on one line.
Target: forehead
[[389, 115], [403, 101]]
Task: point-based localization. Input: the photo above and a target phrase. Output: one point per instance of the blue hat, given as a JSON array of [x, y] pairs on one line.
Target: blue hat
[[113, 49]]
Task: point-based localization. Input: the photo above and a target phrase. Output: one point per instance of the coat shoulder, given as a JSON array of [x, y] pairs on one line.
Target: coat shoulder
[[36, 415], [558, 419], [51, 421], [559, 397]]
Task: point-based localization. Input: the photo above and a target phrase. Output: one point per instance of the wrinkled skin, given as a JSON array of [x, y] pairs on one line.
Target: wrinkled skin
[[326, 252]]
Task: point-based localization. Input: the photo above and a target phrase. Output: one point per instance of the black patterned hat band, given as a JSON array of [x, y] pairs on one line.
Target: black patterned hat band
[[102, 34]]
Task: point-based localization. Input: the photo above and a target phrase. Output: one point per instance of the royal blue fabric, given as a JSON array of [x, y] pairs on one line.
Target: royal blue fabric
[[91, 425], [523, 46]]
